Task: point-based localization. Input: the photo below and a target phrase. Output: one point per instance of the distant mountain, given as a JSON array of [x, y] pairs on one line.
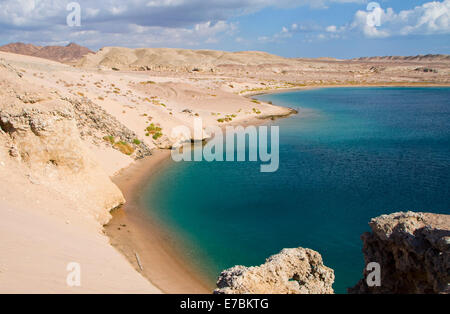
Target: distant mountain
[[70, 53], [419, 58]]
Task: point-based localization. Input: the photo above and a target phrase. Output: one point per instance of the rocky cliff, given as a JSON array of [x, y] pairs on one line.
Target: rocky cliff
[[39, 132], [293, 271], [413, 250]]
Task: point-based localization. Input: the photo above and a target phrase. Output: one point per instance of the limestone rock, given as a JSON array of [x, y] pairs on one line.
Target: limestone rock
[[44, 138], [413, 250], [293, 271], [94, 121]]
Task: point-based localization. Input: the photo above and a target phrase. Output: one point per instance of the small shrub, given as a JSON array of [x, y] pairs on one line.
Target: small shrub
[[157, 135], [136, 141], [124, 148], [153, 130], [110, 139]]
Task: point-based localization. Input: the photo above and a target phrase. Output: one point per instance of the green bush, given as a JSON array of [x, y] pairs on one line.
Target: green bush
[[157, 135], [152, 129]]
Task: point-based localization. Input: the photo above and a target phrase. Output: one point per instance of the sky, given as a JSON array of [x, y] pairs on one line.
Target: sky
[[290, 28]]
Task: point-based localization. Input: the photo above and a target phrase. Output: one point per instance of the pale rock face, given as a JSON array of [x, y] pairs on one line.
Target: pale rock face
[[293, 271], [41, 133], [413, 250]]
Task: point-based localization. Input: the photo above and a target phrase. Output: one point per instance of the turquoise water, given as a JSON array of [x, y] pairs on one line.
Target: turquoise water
[[351, 154]]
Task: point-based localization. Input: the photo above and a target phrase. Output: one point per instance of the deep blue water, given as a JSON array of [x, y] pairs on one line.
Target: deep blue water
[[351, 154]]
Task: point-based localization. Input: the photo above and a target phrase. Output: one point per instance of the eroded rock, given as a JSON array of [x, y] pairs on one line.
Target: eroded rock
[[413, 250], [293, 271], [44, 138]]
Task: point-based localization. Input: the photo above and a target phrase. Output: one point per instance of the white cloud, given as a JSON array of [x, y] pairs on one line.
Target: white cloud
[[429, 18], [331, 29], [191, 22]]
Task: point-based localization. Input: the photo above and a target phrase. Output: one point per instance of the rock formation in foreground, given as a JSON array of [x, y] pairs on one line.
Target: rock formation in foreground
[[413, 252], [38, 130], [293, 271]]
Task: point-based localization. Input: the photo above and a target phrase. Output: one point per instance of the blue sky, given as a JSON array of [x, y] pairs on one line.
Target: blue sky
[[291, 28]]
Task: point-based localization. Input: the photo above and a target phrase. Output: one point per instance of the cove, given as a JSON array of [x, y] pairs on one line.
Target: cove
[[351, 154]]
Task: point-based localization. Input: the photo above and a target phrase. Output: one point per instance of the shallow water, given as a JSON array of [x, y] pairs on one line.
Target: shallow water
[[351, 154]]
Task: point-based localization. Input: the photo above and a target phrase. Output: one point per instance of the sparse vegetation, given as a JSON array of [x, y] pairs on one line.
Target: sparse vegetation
[[157, 135], [228, 118], [124, 148], [110, 139], [154, 130]]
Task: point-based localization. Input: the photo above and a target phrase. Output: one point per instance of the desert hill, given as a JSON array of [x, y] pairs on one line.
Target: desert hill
[[154, 58], [69, 53], [419, 58]]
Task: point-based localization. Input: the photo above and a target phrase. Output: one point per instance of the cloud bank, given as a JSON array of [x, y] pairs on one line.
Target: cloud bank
[[135, 23]]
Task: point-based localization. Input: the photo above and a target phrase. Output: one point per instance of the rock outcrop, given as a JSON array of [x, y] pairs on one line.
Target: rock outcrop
[[39, 130], [293, 271], [95, 123], [413, 250]]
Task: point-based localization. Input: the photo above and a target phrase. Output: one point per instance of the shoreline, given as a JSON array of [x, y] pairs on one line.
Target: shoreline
[[143, 241], [312, 87]]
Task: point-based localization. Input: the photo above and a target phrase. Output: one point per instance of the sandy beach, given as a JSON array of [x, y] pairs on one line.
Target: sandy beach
[[132, 231]]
